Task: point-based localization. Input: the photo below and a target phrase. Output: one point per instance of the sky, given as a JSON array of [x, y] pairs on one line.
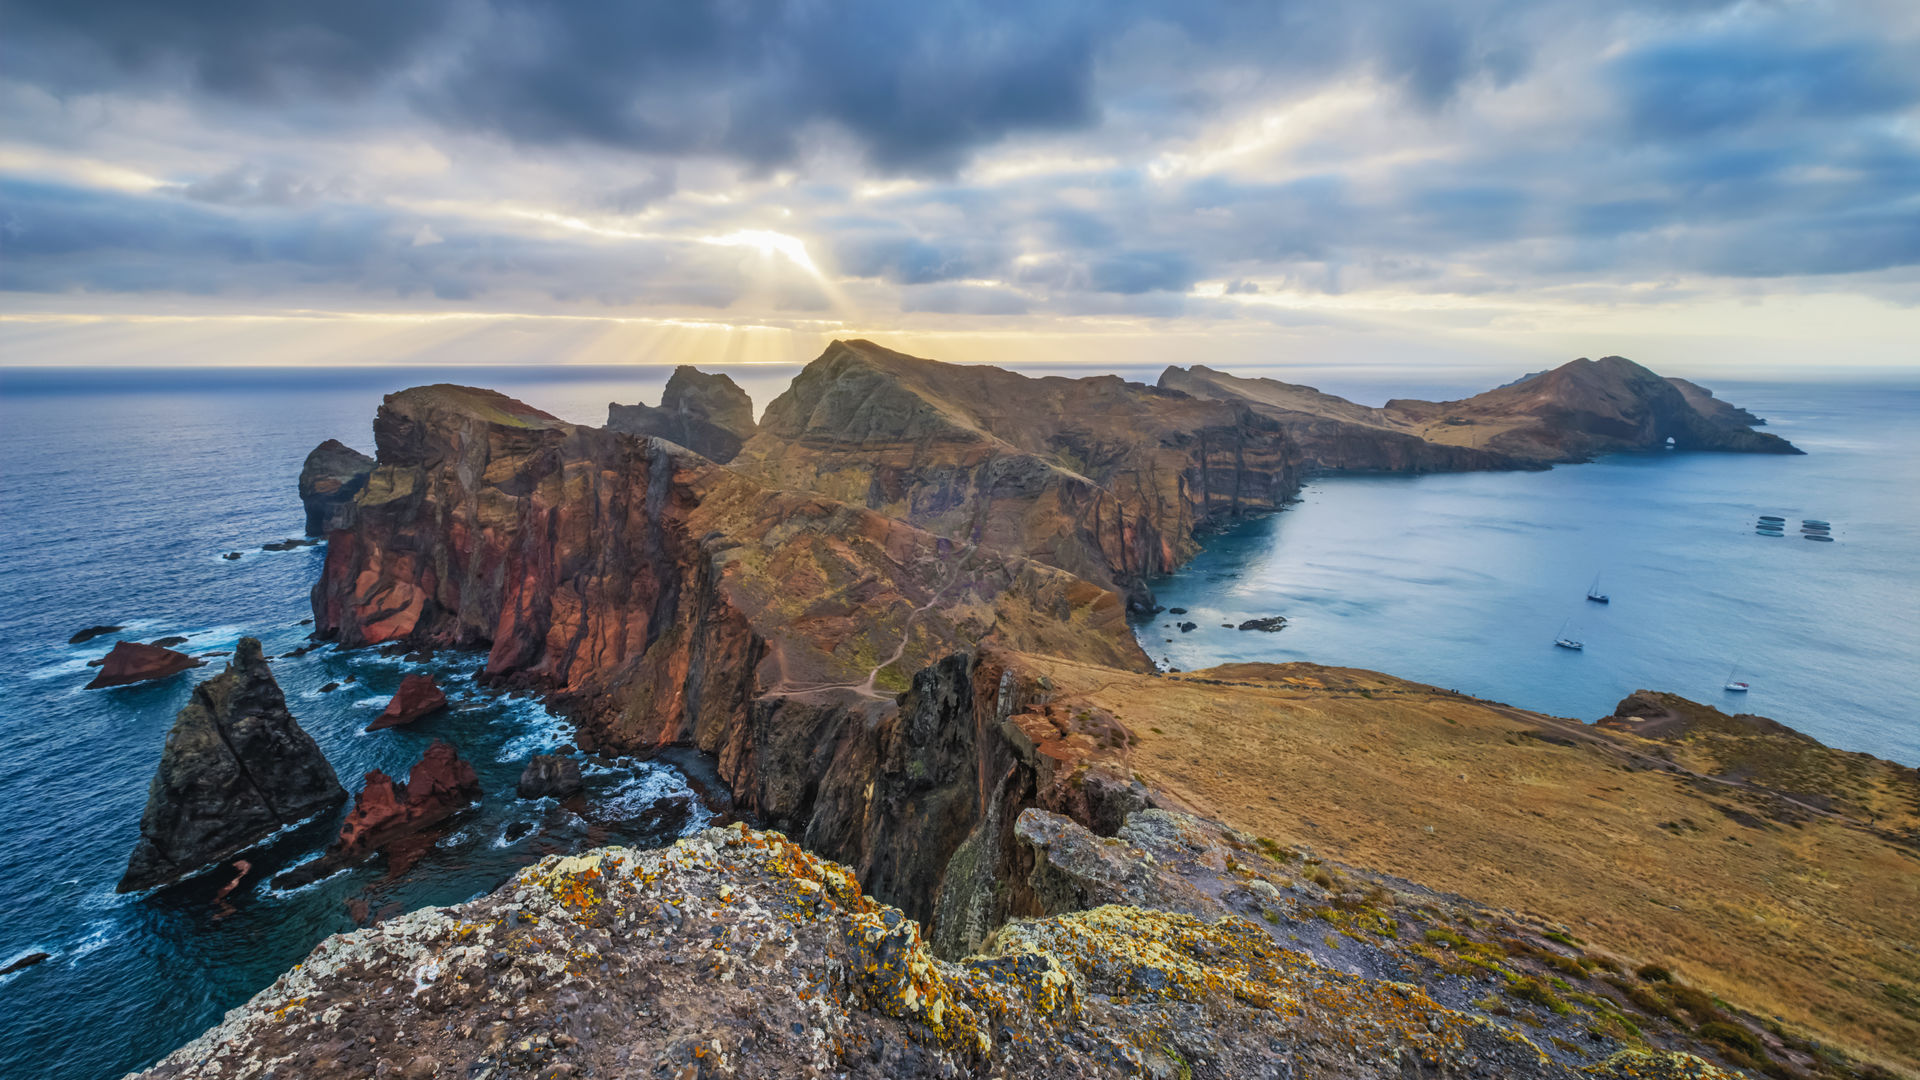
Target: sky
[[1704, 186]]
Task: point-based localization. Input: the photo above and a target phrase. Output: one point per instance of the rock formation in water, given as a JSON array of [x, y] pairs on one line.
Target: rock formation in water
[[131, 662], [333, 474], [550, 776], [417, 697], [1568, 414], [236, 768], [705, 413], [387, 811], [81, 637]]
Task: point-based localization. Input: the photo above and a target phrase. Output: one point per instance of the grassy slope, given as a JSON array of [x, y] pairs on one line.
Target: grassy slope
[[1804, 916]]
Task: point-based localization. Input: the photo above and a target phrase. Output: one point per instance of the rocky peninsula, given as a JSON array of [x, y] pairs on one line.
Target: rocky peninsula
[[895, 620]]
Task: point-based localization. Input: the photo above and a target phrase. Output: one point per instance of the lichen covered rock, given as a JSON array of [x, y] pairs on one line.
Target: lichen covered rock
[[735, 953]]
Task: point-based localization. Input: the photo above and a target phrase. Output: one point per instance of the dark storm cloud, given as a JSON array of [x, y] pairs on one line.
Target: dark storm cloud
[[919, 85], [56, 238], [1709, 137]]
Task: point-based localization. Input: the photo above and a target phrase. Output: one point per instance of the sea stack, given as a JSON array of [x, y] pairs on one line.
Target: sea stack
[[237, 766], [387, 810], [333, 474], [130, 662], [418, 696]]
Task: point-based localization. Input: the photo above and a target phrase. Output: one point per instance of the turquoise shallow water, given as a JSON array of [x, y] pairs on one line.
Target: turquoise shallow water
[[1464, 580]]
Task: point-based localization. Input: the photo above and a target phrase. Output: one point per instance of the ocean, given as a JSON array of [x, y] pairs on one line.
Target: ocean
[[1465, 580], [120, 492]]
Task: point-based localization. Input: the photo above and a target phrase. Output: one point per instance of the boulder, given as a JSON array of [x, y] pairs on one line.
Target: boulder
[[25, 962], [333, 474], [386, 811], [237, 767], [131, 662], [705, 413], [417, 697], [91, 632], [550, 774], [1272, 624]]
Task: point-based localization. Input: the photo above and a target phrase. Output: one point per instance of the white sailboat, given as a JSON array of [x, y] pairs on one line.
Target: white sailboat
[[1733, 686], [1594, 594], [1566, 642]]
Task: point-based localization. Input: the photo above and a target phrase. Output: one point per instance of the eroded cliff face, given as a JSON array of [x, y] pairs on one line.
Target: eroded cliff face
[[702, 411], [813, 647], [1106, 479], [1568, 414]]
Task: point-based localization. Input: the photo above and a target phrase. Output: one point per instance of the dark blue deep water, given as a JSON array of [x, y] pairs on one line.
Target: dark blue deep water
[[118, 494], [1465, 580]]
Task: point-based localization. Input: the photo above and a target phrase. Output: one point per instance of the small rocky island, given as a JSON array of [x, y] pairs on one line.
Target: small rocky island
[[990, 838]]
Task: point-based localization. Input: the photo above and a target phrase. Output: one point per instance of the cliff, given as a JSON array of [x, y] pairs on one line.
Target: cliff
[[237, 767], [806, 643], [705, 413], [737, 953], [1587, 407], [1334, 434], [1582, 408], [1106, 479], [332, 475]]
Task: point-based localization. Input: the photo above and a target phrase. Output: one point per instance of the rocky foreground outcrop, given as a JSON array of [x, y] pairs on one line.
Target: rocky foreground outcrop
[[737, 953], [130, 662], [1568, 414], [332, 475], [236, 768], [706, 413]]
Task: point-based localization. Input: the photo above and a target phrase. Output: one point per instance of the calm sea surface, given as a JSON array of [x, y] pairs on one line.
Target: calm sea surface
[[120, 491], [1465, 580]]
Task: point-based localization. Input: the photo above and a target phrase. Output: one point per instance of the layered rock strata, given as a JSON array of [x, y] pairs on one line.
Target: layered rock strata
[[706, 413], [332, 475], [1107, 479], [1568, 414], [236, 768]]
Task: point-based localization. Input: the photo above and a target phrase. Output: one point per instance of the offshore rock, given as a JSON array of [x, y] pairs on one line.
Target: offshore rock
[[236, 768], [91, 632], [736, 953], [131, 662], [387, 811], [705, 413], [550, 775], [418, 696], [333, 474]]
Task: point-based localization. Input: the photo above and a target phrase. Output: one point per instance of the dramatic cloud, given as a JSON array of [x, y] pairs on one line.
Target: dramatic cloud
[[1497, 165]]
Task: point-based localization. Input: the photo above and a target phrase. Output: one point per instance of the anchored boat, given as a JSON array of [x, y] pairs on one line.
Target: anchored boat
[[1565, 642], [1732, 684], [1594, 594]]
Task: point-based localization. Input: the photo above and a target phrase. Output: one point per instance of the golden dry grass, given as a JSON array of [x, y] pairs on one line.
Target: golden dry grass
[[1817, 923]]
